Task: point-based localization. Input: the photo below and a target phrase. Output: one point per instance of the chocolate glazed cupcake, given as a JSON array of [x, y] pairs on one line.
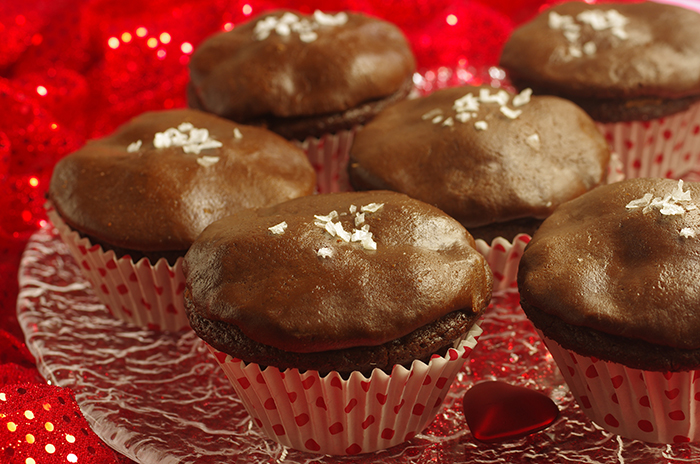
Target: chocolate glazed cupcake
[[349, 295], [310, 78], [497, 162], [634, 67], [611, 282], [131, 204]]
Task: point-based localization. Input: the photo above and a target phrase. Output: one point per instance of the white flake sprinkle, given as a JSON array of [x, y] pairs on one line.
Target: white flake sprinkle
[[674, 204], [481, 125], [522, 98], [509, 113], [185, 127], [359, 219], [237, 133], [687, 232], [279, 228], [589, 48], [372, 207], [467, 103], [463, 117], [289, 23], [501, 97], [431, 114], [598, 20], [134, 146], [191, 139], [342, 233], [436, 119], [448, 122], [325, 252], [533, 141], [329, 19], [207, 161], [353, 209]]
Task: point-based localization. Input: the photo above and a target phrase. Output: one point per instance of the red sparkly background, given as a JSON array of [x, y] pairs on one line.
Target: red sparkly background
[[73, 70]]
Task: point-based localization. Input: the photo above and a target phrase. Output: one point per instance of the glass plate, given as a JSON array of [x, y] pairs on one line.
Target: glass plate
[[159, 397]]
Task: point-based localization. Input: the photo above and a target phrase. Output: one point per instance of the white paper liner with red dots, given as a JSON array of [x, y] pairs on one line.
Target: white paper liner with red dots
[[503, 257], [142, 294], [330, 415], [329, 157], [656, 407], [664, 147]]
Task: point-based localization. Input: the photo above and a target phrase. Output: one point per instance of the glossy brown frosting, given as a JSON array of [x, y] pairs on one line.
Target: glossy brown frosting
[[238, 76], [279, 292], [657, 55], [156, 199], [628, 272], [477, 176]]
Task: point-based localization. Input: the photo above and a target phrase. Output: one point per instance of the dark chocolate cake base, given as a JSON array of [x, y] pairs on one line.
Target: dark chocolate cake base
[[301, 127], [634, 353], [434, 338]]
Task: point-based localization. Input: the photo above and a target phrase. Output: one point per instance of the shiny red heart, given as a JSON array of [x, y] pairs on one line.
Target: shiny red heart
[[497, 411]]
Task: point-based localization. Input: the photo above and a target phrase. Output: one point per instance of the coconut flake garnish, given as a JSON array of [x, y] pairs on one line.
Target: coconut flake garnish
[[372, 207], [191, 140], [237, 133], [359, 234], [207, 161], [598, 20], [279, 228], [687, 232], [675, 203], [325, 252], [522, 98], [289, 22], [467, 103], [134, 146], [509, 113], [468, 106], [533, 141]]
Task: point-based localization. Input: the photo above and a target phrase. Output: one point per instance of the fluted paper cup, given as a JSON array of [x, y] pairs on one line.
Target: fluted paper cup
[[329, 155], [664, 147], [656, 407], [140, 293], [331, 415]]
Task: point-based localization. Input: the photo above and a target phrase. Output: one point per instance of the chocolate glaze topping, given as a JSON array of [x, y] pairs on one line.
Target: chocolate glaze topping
[[157, 199], [630, 272], [278, 290], [244, 77], [653, 51], [514, 168]]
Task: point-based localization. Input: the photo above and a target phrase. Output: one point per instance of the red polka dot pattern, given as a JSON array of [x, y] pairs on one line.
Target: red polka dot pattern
[[504, 258], [666, 147], [326, 414], [139, 293], [657, 407]]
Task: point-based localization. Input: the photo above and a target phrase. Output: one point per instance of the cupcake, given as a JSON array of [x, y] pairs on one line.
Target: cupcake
[[499, 163], [340, 319], [130, 205], [634, 67], [310, 78], [611, 282]]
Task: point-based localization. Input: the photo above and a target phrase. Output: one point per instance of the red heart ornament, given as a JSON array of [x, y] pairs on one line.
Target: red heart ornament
[[497, 411]]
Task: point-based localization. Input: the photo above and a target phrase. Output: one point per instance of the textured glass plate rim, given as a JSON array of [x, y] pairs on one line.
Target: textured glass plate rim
[[50, 281]]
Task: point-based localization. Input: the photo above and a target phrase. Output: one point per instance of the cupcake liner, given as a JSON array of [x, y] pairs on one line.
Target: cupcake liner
[[656, 407], [664, 147], [140, 293], [503, 257], [328, 155], [330, 415]]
